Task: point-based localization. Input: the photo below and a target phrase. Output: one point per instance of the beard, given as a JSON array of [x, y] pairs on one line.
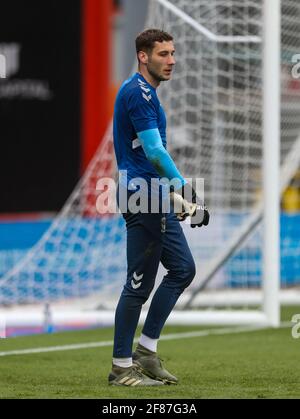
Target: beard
[[154, 73]]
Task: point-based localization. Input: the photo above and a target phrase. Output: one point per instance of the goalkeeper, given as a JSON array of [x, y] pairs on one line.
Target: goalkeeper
[[140, 148]]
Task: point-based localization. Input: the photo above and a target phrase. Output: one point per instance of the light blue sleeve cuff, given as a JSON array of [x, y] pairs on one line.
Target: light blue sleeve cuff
[[159, 157]]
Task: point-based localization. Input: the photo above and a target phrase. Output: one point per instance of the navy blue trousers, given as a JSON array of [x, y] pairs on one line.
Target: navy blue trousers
[[151, 238]]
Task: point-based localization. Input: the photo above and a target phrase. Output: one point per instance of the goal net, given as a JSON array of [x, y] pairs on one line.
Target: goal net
[[214, 110]]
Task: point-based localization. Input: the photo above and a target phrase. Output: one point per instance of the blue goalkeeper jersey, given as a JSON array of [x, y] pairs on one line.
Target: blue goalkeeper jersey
[[137, 109]]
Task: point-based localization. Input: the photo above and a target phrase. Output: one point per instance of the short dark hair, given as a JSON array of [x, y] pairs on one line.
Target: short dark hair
[[145, 41]]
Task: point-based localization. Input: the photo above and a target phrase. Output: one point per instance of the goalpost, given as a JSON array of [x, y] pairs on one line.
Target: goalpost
[[228, 123], [271, 159]]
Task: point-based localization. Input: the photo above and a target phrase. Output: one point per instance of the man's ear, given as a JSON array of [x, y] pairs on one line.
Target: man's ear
[[143, 57]]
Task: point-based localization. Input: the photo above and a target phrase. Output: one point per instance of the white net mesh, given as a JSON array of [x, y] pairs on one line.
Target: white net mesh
[[214, 109]]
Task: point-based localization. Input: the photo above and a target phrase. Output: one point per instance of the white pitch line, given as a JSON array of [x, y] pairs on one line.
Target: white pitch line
[[57, 348], [170, 336]]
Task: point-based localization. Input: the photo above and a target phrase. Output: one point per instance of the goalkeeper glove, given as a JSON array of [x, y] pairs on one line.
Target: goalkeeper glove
[[187, 203], [203, 211]]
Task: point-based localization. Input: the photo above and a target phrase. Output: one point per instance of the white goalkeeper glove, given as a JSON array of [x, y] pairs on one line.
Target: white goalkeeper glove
[[183, 208]]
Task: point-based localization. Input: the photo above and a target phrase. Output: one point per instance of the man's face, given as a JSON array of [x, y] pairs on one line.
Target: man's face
[[161, 61]]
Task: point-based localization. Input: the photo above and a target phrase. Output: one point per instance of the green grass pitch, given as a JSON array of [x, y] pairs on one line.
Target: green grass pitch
[[253, 364]]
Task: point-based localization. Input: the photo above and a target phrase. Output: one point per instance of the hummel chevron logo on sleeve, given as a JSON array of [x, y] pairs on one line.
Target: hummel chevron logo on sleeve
[[148, 98], [136, 282], [145, 89]]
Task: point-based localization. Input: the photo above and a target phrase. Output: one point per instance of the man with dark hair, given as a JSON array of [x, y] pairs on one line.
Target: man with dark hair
[[140, 147]]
